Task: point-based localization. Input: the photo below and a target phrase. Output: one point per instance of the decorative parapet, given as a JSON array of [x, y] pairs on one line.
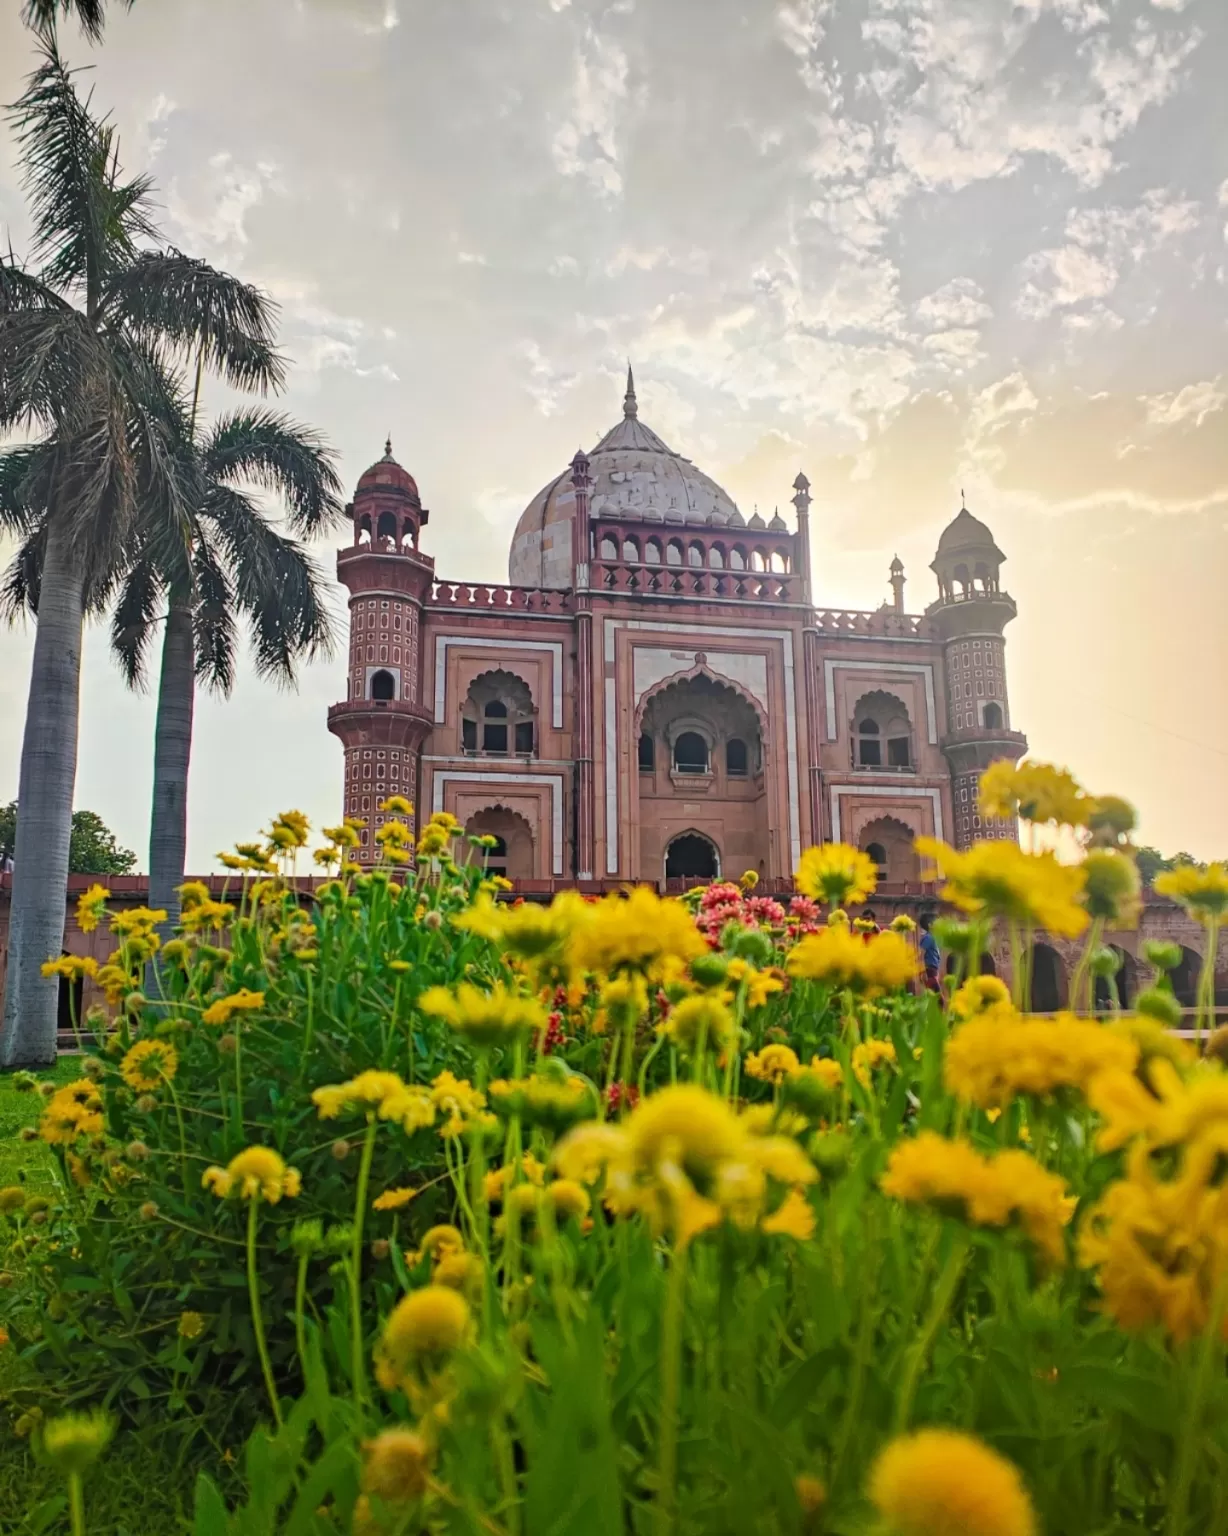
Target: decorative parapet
[[884, 623], [502, 599]]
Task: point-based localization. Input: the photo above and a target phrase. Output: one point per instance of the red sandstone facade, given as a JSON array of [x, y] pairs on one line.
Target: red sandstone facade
[[653, 695]]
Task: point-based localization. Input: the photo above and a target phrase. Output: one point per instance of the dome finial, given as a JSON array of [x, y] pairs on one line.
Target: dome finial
[[963, 502], [630, 409], [388, 446]]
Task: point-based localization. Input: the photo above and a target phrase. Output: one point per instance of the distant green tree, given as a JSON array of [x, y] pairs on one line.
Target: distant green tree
[[92, 850], [1151, 862]]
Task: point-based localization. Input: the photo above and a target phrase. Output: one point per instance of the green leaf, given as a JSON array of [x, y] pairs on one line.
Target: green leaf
[[210, 1517]]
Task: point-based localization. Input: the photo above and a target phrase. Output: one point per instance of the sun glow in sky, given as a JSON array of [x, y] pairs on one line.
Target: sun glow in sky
[[909, 246]]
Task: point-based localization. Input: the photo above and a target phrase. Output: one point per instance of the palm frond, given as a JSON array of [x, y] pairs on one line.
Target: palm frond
[[193, 309], [135, 620], [86, 223], [22, 581], [217, 640], [40, 15], [268, 449], [23, 485], [46, 356]]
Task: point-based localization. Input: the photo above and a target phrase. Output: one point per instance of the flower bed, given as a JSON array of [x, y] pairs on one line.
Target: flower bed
[[631, 1215]]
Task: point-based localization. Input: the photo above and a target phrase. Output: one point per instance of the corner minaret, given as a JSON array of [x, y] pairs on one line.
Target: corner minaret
[[382, 723], [971, 615]]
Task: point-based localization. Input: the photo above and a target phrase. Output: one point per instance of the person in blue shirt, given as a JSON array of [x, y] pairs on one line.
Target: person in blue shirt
[[931, 955]]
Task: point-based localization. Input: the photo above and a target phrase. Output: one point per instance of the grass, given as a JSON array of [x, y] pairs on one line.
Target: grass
[[29, 1162], [133, 1495]]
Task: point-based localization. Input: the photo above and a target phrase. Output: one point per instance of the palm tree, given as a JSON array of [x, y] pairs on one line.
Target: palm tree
[[41, 15], [232, 566], [86, 345]]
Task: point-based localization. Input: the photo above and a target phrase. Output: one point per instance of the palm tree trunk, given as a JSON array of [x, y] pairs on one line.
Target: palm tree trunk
[[168, 830], [44, 816]]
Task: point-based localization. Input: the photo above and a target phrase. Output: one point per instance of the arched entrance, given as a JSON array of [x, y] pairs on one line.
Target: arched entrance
[[691, 856], [512, 854], [1116, 991], [1185, 977], [69, 1010], [1048, 979]]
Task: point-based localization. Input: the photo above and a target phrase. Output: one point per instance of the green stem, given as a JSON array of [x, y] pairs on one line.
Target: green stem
[[1190, 1441], [1085, 960], [253, 1291], [1016, 965], [865, 1342], [76, 1503], [1206, 983], [300, 1300], [357, 1373], [671, 1392], [919, 1353], [183, 1140], [239, 1078]]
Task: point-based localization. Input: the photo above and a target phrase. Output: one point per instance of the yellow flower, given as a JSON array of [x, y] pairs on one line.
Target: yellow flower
[[994, 1191], [836, 873], [499, 1180], [255, 1173], [462, 1105], [999, 879], [996, 1056], [424, 1328], [586, 1152], [686, 1124], [149, 1064], [137, 920], [793, 1218], [1112, 886], [441, 1240], [1202, 892], [191, 1325], [868, 1056], [549, 1101], [702, 1022], [624, 999], [938, 1482], [903, 924], [72, 1111], [749, 880], [772, 1064], [396, 1465], [91, 907], [12, 1198], [72, 967], [1037, 792], [485, 1018], [394, 805], [980, 994], [528, 931], [206, 914], [74, 1441], [811, 1494], [461, 1271], [641, 931], [569, 1198], [393, 1199], [221, 1011], [760, 985], [843, 959]]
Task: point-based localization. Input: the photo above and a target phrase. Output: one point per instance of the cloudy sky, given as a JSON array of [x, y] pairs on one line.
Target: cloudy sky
[[910, 246]]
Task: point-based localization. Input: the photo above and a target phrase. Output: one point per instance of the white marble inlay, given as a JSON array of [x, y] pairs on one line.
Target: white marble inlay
[[554, 780], [485, 642], [923, 669], [892, 791]]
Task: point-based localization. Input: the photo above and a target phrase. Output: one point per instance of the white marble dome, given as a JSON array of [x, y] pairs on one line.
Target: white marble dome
[[635, 477]]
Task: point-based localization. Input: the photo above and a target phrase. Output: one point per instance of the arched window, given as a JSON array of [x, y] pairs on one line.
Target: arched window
[[647, 753], [386, 531], [780, 562], [695, 554], [737, 759], [716, 558], [960, 573], [691, 753], [673, 553], [757, 562], [494, 726], [383, 686], [631, 552], [879, 854], [498, 716], [496, 857], [882, 732], [737, 558], [609, 547], [692, 857], [652, 552], [993, 717]]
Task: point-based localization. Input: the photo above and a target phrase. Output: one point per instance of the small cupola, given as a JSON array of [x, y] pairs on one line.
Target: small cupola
[[387, 511]]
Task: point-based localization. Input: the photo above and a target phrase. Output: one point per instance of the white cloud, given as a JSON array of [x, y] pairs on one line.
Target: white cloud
[[586, 144], [547, 385], [959, 302], [1100, 244], [211, 216], [1188, 406], [958, 349], [471, 259]]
